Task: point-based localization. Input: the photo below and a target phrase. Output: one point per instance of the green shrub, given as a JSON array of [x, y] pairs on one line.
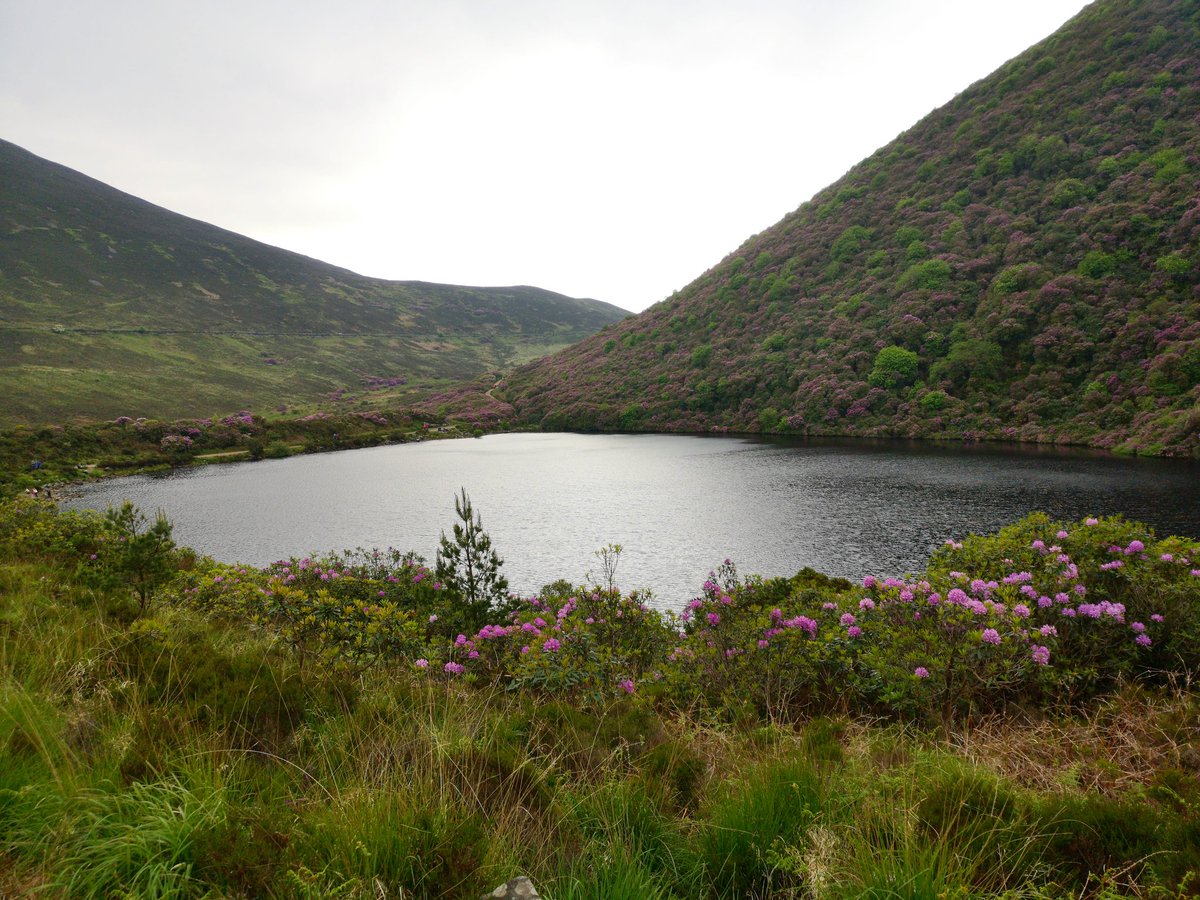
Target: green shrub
[[894, 367]]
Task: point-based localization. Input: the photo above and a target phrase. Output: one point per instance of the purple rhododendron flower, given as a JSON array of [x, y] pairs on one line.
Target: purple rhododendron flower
[[921, 672], [990, 636]]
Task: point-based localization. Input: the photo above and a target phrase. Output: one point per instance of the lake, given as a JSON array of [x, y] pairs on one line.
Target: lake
[[679, 505]]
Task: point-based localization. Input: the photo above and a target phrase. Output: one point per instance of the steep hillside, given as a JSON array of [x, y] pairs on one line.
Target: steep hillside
[[110, 305], [1021, 264]]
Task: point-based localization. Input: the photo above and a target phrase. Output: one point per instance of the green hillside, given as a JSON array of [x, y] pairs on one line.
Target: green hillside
[[1022, 264], [112, 306]]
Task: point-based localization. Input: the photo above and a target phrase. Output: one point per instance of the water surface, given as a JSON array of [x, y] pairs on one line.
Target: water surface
[[679, 505]]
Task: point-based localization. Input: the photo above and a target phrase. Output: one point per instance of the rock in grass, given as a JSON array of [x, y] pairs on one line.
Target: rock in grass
[[517, 888]]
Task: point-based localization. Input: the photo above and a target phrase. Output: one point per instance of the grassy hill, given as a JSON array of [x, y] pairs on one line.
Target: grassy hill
[[1022, 264], [112, 306]]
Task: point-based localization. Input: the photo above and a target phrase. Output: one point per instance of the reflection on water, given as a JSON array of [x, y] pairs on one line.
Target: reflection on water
[[679, 505]]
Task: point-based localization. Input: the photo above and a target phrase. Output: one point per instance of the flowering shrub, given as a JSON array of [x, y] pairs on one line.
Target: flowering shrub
[[1039, 613]]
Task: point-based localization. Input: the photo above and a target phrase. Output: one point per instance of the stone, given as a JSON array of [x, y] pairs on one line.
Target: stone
[[519, 888]]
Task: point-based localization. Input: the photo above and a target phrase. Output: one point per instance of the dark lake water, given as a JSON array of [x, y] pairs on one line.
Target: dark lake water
[[678, 505]]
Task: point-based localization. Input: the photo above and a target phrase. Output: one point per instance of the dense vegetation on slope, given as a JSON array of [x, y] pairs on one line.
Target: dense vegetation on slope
[[113, 306], [1024, 263], [348, 726]]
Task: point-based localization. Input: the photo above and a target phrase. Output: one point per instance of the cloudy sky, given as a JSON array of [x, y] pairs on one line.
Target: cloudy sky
[[604, 148]]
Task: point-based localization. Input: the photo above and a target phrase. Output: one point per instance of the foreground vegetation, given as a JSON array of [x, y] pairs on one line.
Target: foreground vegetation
[[1016, 721]]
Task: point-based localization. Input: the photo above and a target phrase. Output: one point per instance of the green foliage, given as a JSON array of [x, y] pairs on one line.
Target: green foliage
[[1097, 264], [967, 359], [850, 243], [894, 367], [928, 275], [129, 550], [701, 355], [230, 742], [1016, 278], [467, 564], [934, 401]]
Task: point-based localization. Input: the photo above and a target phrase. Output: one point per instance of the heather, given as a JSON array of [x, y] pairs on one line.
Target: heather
[[1015, 720], [1019, 265]]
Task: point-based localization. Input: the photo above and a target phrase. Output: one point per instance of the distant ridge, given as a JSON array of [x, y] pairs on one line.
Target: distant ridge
[[110, 305], [1022, 264]]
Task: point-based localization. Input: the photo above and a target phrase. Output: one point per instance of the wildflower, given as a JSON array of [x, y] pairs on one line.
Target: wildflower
[[866, 603], [829, 604], [422, 664], [454, 668], [1091, 521], [525, 649], [1143, 640], [433, 618], [1044, 601], [1041, 655], [853, 631], [551, 645], [921, 672], [869, 582], [1069, 612], [714, 618], [847, 619], [1038, 545], [626, 685], [460, 640], [1048, 631], [763, 644], [990, 636], [1156, 618], [1062, 535], [1021, 611], [1137, 627], [1167, 557]]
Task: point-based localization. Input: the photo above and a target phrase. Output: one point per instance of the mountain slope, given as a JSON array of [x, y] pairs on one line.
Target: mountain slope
[[110, 305], [1021, 264]]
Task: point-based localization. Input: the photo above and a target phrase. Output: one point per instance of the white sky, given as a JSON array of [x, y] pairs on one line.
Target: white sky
[[601, 148]]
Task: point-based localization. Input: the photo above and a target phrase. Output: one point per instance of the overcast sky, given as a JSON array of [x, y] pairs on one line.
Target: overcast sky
[[602, 148]]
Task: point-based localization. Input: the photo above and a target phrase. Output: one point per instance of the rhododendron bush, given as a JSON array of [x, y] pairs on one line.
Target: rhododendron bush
[[1040, 614]]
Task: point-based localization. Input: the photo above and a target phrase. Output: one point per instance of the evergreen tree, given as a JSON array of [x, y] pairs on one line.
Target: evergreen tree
[[466, 563]]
